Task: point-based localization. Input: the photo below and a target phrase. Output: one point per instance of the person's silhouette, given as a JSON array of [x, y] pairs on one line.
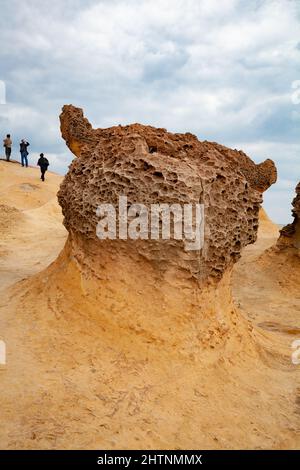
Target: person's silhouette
[[43, 164]]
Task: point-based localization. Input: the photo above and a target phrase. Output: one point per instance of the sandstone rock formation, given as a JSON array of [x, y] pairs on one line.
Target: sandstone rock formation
[[153, 166], [131, 348], [290, 234]]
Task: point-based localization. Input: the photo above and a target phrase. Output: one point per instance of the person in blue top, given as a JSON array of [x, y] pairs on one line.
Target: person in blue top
[[24, 152]]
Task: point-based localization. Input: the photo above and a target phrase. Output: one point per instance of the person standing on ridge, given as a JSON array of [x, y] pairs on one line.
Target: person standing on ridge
[[7, 144], [43, 164], [24, 152]]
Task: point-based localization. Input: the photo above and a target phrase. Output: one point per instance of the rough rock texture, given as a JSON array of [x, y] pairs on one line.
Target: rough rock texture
[[290, 234], [150, 166], [118, 360]]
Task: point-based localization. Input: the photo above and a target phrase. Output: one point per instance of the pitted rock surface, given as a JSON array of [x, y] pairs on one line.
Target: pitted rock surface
[[152, 166], [290, 234]]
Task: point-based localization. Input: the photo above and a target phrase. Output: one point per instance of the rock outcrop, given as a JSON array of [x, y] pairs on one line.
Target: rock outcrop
[[97, 337], [290, 234], [153, 166], [130, 338]]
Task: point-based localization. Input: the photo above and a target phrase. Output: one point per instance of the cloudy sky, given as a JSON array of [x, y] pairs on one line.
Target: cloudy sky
[[224, 70]]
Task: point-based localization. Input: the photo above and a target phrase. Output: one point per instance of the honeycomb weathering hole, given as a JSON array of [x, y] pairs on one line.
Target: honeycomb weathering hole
[[152, 166]]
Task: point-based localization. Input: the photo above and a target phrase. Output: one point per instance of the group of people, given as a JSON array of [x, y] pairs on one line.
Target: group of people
[[43, 162]]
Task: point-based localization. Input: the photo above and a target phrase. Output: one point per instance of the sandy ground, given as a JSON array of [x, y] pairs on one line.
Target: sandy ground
[[31, 227], [75, 379], [266, 284]]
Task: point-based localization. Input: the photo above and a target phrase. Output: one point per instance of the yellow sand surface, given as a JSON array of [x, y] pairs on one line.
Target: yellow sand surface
[[85, 370]]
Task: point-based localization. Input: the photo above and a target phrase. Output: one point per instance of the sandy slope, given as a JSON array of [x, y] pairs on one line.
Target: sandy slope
[[32, 234], [76, 379]]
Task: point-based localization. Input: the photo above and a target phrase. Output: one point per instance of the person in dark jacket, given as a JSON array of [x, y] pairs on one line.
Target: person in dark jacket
[[24, 152], [43, 164]]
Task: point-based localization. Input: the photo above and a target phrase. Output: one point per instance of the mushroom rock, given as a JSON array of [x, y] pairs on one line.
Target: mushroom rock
[[158, 280]]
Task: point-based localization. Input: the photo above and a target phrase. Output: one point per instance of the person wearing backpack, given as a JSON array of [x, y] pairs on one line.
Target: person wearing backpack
[[43, 164]]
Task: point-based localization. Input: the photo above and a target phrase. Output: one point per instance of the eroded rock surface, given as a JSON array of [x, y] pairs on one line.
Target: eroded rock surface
[[153, 166], [290, 234]]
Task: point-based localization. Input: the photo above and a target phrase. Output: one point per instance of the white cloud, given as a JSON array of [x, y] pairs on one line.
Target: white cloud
[[222, 70], [58, 162], [278, 199]]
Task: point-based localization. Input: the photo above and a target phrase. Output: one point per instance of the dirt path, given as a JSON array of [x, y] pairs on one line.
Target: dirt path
[[31, 227], [266, 287]]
